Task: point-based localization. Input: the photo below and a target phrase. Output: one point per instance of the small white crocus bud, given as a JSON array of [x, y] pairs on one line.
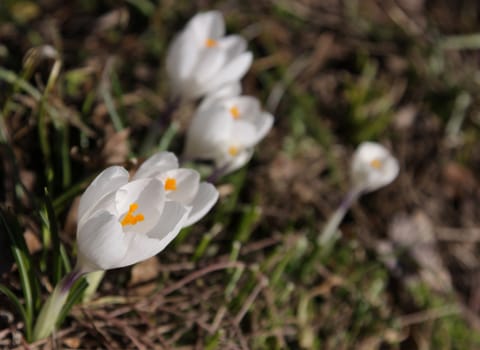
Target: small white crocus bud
[[226, 130], [180, 185], [373, 167], [201, 59]]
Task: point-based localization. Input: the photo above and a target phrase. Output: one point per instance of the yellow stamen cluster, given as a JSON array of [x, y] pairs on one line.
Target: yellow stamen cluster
[[233, 151], [170, 184], [129, 218], [211, 42], [376, 163], [235, 112]]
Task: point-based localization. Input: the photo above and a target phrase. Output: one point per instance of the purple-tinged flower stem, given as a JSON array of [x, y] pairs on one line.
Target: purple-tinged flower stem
[[47, 319], [330, 232]]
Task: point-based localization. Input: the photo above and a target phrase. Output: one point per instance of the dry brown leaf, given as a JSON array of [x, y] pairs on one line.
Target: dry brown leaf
[[72, 342], [143, 276], [116, 149], [415, 233], [33, 243], [405, 117]]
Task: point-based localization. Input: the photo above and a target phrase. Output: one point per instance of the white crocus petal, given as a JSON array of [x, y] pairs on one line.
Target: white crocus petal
[[101, 242], [106, 203], [232, 71], [372, 167], [234, 163], [208, 130], [144, 246], [106, 182], [263, 124], [228, 90], [158, 163], [234, 45], [225, 92], [248, 107], [170, 222], [181, 185], [244, 135], [210, 62], [207, 25], [206, 197], [182, 57]]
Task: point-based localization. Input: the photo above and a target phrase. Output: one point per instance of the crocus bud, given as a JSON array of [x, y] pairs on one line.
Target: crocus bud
[[121, 223], [372, 167], [180, 185], [225, 130], [201, 59]]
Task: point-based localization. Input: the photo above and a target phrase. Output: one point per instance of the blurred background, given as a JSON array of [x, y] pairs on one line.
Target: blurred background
[[405, 73]]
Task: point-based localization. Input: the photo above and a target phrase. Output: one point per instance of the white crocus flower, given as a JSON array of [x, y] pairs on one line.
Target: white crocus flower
[[201, 59], [121, 223], [225, 130], [180, 184], [372, 167]]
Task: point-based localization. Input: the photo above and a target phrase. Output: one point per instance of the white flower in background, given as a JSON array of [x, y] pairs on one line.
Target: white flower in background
[[180, 185], [121, 223], [201, 59], [373, 167], [225, 130]]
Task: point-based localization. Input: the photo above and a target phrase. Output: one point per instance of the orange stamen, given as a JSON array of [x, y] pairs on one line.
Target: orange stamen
[[170, 184], [211, 42], [235, 112], [233, 151], [376, 164], [129, 218]]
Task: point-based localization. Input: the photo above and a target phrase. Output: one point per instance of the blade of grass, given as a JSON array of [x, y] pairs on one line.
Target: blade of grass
[[105, 89], [251, 215], [65, 157], [52, 229], [43, 124], [206, 239], [28, 281], [61, 201], [21, 310]]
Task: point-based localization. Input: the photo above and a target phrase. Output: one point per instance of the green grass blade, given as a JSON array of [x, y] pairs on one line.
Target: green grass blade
[[21, 310], [54, 238], [28, 281]]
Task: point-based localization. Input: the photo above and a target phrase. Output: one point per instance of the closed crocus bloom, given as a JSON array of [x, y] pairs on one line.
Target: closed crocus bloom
[[201, 59], [180, 185], [121, 223], [225, 130], [373, 167]]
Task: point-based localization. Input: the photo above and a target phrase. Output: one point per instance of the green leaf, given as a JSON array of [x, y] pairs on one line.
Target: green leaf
[[55, 239], [21, 310], [28, 281], [75, 294]]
